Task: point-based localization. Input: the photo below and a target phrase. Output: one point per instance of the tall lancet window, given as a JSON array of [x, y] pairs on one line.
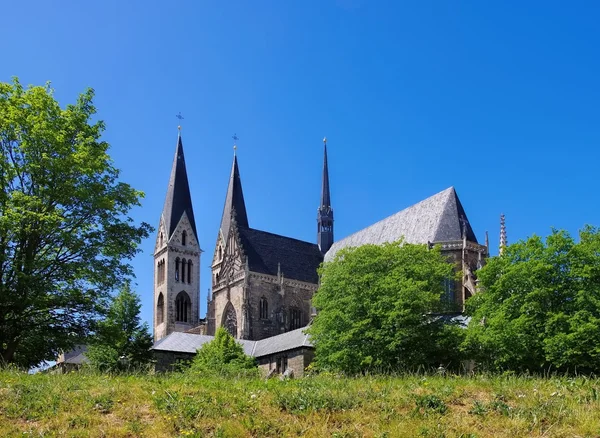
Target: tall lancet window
[[189, 272], [183, 238], [161, 239], [160, 309], [177, 269], [264, 308], [183, 263], [183, 307]]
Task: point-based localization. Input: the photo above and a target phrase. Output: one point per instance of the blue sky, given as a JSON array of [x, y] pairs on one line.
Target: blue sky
[[499, 99]]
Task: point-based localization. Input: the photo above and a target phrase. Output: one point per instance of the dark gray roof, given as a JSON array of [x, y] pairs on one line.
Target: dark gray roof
[[435, 219], [178, 199], [190, 343], [283, 342], [267, 252], [234, 201]]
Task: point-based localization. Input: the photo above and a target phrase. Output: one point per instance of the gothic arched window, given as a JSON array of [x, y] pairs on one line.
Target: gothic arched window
[[230, 320], [183, 238], [189, 272], [177, 269], [264, 308], [183, 263], [220, 253], [183, 307], [160, 309], [295, 318], [161, 239]]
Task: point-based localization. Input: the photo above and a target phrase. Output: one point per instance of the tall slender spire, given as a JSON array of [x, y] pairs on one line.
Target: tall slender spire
[[502, 233], [178, 200], [234, 201], [325, 212]]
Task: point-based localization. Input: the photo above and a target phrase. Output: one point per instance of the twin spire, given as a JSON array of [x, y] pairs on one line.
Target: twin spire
[[178, 200]]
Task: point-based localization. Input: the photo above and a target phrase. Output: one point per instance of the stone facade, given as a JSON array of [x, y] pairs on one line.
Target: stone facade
[[254, 305], [175, 259]]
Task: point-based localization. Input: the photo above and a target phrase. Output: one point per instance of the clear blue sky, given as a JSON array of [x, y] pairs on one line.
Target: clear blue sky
[[499, 100]]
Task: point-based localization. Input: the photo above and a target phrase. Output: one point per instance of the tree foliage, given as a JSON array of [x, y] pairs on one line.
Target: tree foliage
[[224, 356], [540, 306], [376, 308], [121, 341], [65, 234]]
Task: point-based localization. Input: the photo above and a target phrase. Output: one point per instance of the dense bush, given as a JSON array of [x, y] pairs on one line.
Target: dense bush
[[223, 356]]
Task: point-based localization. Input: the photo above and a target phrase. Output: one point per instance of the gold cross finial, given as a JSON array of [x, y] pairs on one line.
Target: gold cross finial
[[325, 140]]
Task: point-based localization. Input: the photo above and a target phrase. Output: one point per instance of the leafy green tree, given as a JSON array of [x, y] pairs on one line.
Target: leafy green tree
[[65, 233], [223, 356], [539, 308], [376, 310], [121, 341]]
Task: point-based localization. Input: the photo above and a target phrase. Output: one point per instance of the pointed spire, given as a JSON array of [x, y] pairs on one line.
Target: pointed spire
[[235, 206], [325, 196], [325, 212], [502, 233], [178, 199], [487, 243]]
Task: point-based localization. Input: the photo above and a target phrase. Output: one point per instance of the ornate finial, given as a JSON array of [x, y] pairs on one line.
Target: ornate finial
[[325, 140], [235, 139], [180, 117], [502, 233], [487, 242]]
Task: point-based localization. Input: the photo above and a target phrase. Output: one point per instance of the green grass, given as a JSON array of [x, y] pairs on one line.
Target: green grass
[[86, 404]]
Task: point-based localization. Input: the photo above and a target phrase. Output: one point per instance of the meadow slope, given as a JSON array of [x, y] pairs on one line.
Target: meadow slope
[[93, 405]]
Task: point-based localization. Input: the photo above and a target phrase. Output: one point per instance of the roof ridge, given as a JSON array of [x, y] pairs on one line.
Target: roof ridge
[[394, 214], [280, 235]]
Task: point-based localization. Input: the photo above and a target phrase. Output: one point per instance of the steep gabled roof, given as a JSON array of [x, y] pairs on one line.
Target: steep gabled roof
[[267, 253], [435, 219], [178, 199], [234, 201]]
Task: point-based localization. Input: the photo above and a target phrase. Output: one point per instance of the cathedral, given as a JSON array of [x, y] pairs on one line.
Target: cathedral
[[262, 283]]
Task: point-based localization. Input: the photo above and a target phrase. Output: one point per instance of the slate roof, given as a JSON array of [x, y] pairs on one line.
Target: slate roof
[[178, 199], [298, 260], [435, 219], [189, 343], [234, 201]]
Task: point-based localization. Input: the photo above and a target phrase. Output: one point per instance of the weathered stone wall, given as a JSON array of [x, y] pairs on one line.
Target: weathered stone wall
[[169, 361]]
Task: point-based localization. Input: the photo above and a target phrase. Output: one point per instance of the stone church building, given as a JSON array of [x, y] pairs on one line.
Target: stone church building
[[262, 283]]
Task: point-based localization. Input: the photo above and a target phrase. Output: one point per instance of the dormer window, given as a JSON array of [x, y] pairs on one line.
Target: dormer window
[[183, 238]]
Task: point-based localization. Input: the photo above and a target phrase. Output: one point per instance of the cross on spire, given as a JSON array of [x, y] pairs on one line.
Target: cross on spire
[[235, 139], [180, 117]]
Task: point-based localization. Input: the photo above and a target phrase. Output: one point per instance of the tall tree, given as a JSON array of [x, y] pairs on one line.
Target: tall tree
[[376, 309], [65, 233], [121, 340], [539, 308]]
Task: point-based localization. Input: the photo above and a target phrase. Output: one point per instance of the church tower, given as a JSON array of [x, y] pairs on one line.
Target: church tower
[[325, 212], [176, 257]]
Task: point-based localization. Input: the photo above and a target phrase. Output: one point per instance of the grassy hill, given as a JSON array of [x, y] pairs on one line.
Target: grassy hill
[[85, 404]]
